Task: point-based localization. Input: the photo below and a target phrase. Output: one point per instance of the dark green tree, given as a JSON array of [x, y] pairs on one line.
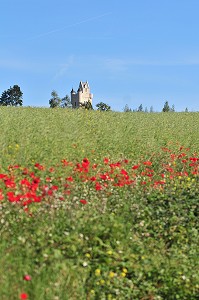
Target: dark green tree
[[103, 106], [55, 100], [166, 107], [12, 97], [86, 105], [4, 100], [127, 108], [186, 109], [66, 102], [140, 108]]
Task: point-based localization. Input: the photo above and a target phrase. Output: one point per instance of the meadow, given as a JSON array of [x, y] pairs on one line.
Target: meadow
[[98, 205]]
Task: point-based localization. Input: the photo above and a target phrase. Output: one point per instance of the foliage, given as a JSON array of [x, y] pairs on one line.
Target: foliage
[[66, 102], [12, 97], [86, 105], [127, 108], [151, 109], [103, 106], [166, 107], [91, 212], [140, 108], [172, 108], [56, 101]]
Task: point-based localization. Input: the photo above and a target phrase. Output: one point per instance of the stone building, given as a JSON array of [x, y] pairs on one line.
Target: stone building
[[82, 96]]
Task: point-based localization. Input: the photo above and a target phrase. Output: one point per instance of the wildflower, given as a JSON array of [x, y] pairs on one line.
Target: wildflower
[[111, 274], [123, 274], [27, 277], [97, 272], [124, 270], [54, 187], [106, 160], [124, 172], [85, 264], [147, 163], [39, 167], [88, 255], [24, 296], [135, 167], [83, 201], [125, 161], [98, 186]]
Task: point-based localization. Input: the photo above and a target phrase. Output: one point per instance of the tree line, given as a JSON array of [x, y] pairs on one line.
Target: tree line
[[166, 108], [14, 97]]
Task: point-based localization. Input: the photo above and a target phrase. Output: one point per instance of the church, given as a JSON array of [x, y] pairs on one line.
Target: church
[[82, 96]]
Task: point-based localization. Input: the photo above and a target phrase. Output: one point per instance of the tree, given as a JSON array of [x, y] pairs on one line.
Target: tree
[[66, 102], [87, 105], [140, 108], [172, 108], [103, 106], [55, 101], [127, 108], [12, 97], [186, 109], [151, 109], [146, 110], [166, 107]]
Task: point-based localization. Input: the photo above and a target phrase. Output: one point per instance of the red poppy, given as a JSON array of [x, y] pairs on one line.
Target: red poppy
[[135, 167], [1, 195], [98, 186], [27, 277], [83, 201], [106, 160], [124, 172], [39, 167], [70, 178], [147, 163], [24, 296]]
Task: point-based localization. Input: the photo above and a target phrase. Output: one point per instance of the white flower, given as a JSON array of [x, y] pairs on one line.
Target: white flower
[[85, 264]]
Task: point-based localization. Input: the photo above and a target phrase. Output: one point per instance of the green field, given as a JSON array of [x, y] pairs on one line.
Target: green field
[[98, 205]]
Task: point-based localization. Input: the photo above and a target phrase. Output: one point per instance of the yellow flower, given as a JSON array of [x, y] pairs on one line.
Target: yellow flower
[[111, 274], [124, 270], [88, 255], [109, 252], [97, 272], [123, 274], [102, 281], [92, 292]]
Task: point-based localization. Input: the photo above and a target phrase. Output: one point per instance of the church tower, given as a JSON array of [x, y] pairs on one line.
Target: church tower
[[82, 95]]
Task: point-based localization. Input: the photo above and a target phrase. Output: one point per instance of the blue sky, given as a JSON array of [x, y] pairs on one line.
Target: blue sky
[[130, 52]]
